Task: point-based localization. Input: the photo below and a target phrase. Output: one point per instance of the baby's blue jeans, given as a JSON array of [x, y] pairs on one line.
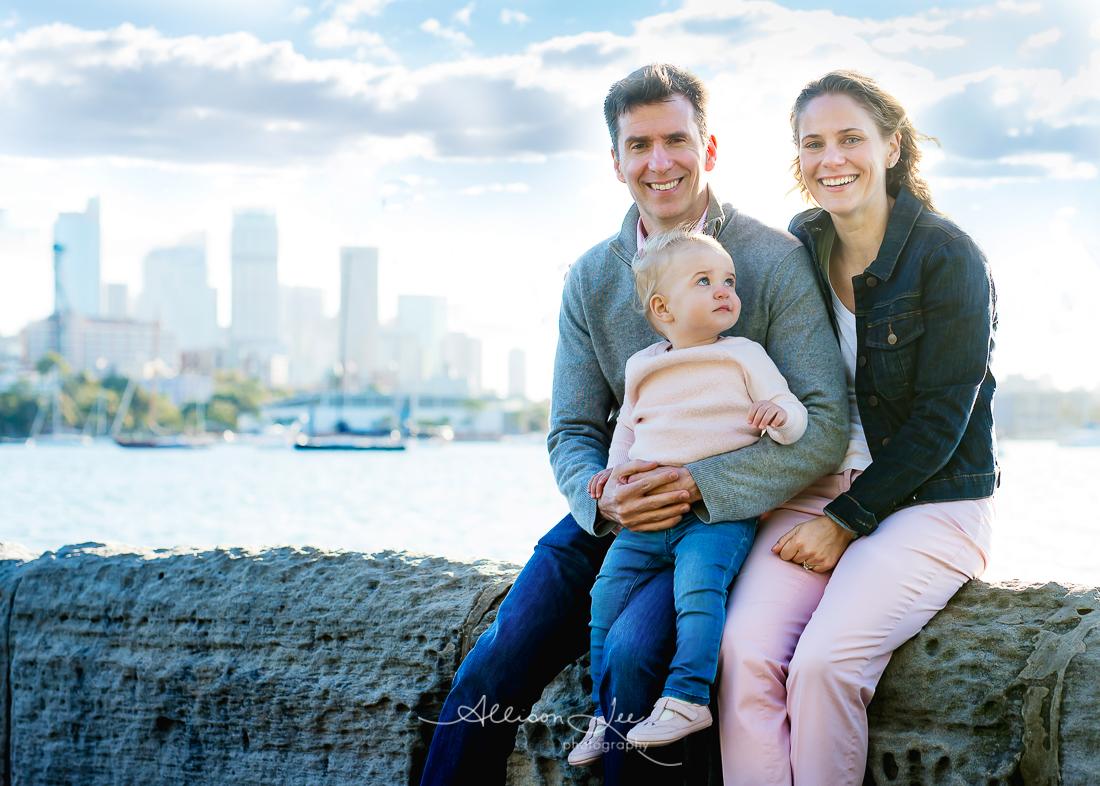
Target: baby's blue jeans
[[706, 559]]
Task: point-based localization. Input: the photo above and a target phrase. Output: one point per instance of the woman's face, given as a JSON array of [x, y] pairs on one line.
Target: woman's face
[[843, 157]]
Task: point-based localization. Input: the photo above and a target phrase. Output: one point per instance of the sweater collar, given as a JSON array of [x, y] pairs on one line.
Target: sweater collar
[[625, 245]]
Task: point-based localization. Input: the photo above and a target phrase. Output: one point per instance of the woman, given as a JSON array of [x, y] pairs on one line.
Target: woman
[[854, 565]]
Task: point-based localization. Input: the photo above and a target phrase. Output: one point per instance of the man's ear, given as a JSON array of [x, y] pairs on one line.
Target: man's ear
[[658, 306], [712, 153], [618, 169]]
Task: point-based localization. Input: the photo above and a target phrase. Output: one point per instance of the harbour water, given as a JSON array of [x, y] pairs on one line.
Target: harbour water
[[466, 500]]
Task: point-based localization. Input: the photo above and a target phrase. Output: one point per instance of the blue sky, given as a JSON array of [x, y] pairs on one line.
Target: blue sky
[[466, 140]]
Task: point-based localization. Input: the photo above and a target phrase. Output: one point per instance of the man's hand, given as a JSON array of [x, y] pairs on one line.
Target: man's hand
[[767, 413], [819, 543], [644, 496]]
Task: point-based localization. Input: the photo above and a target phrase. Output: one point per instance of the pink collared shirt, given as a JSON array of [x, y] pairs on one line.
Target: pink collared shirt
[[698, 228]]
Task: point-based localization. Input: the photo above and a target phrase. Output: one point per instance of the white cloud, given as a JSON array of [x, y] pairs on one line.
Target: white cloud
[[299, 14], [496, 188], [903, 42], [1094, 30], [336, 34], [350, 11], [1021, 8], [1044, 39], [1060, 166], [456, 37], [507, 17], [11, 21], [463, 16]]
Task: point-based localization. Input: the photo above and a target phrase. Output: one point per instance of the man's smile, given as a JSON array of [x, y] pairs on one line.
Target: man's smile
[[665, 186]]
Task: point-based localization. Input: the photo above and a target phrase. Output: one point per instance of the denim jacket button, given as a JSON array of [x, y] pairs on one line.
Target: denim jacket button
[[872, 281], [891, 339], [873, 401], [886, 442], [862, 360]]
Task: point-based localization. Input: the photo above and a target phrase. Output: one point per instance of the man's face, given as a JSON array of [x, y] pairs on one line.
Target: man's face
[[663, 160]]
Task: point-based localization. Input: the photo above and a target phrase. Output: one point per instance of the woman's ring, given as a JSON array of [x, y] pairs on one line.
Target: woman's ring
[[807, 566]]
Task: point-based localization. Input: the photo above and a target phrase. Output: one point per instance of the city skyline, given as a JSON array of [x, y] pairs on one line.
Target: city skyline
[[468, 143], [278, 333]]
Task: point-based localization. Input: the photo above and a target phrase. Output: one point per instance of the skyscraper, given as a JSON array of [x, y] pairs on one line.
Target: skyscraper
[[517, 374], [309, 337], [117, 301], [462, 360], [358, 318], [255, 263], [176, 295], [77, 235], [425, 317]]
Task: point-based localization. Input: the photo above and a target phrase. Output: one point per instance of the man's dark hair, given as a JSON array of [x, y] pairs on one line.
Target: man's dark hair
[[653, 84]]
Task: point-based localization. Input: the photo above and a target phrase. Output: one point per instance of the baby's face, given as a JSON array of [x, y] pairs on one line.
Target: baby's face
[[698, 287]]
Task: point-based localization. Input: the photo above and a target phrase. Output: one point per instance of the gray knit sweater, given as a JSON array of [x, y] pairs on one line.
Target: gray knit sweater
[[601, 326]]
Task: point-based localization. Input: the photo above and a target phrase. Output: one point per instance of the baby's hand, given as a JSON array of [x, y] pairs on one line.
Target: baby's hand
[[766, 413], [595, 486]]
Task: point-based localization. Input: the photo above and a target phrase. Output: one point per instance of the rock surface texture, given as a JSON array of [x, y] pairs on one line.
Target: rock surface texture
[[296, 666]]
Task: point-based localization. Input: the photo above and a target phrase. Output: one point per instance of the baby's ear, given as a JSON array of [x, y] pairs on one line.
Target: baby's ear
[[658, 306]]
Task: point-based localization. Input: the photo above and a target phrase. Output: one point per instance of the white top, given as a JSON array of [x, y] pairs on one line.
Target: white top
[[858, 456]]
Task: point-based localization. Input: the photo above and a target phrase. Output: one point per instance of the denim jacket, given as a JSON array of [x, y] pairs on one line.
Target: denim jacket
[[926, 317]]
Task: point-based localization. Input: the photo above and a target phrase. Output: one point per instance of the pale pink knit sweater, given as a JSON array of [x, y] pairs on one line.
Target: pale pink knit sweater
[[683, 405]]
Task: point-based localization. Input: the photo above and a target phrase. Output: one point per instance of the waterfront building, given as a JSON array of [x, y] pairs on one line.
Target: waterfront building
[[517, 374], [255, 273], [308, 335], [116, 301], [176, 294], [358, 318], [77, 234], [399, 358], [462, 361], [254, 332], [102, 346], [425, 318]]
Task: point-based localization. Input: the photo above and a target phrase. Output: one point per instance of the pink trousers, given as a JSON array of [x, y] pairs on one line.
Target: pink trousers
[[802, 652]]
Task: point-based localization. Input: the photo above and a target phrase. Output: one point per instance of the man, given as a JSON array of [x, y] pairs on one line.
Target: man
[[662, 152]]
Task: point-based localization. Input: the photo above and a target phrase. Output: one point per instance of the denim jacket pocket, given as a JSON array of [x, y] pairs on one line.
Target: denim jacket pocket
[[892, 346]]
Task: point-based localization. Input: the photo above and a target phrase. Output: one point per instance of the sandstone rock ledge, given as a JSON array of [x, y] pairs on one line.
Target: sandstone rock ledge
[[296, 666]]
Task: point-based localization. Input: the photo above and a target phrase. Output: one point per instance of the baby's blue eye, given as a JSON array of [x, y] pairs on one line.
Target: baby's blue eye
[[704, 281], [729, 282]]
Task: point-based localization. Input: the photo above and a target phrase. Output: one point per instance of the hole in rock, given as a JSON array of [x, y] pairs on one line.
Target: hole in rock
[[943, 766], [1083, 612], [167, 724], [890, 765]]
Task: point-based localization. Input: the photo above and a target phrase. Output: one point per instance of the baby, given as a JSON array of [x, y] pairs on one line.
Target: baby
[[695, 395]]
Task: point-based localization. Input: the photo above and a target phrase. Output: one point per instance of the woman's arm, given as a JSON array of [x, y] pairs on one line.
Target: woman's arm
[[957, 304]]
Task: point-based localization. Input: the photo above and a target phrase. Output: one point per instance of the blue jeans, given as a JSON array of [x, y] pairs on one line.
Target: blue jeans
[[706, 559], [540, 628]]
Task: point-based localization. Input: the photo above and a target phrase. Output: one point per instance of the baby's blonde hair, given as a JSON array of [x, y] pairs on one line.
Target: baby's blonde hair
[[651, 263]]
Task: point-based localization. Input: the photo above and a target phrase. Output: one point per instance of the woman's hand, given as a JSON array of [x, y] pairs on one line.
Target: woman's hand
[[818, 543]]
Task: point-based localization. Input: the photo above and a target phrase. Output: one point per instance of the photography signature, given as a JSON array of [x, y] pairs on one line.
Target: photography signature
[[482, 714]]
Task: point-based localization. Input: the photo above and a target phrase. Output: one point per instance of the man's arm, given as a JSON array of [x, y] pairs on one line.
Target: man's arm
[[800, 340], [581, 404], [580, 434]]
